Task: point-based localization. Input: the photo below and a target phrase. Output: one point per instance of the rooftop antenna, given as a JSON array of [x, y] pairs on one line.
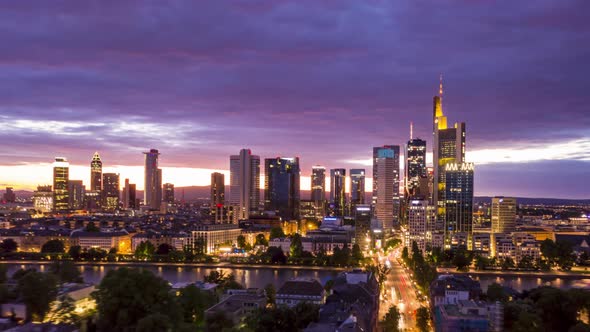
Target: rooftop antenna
[[411, 130], [440, 88]]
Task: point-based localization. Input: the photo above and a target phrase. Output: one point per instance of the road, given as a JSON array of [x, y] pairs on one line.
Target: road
[[399, 290]]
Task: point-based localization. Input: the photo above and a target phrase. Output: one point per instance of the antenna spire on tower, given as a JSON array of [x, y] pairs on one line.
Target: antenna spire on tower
[[440, 87], [411, 130]]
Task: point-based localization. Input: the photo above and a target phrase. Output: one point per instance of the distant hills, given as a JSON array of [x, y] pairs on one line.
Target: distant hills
[[193, 193]]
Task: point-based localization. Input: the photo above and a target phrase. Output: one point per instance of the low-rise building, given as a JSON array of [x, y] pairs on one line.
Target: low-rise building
[[299, 290], [450, 289], [237, 306], [119, 240], [469, 315], [214, 235], [285, 244]]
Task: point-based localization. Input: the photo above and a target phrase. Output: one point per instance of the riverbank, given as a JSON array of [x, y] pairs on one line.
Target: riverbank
[[222, 265], [539, 274]]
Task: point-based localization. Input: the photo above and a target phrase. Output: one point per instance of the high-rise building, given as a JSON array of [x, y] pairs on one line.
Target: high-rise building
[[503, 214], [96, 173], [169, 193], [449, 147], [337, 191], [244, 183], [217, 189], [362, 225], [458, 201], [152, 192], [61, 177], [421, 223], [281, 188], [389, 179], [318, 186], [77, 192], [384, 167], [129, 195], [110, 191], [416, 177], [43, 199], [357, 187]]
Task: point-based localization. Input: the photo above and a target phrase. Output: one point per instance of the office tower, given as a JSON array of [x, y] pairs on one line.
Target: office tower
[[9, 196], [416, 169], [169, 193], [391, 179], [96, 173], [503, 214], [357, 187], [383, 166], [152, 192], [281, 188], [362, 225], [217, 189], [43, 199], [318, 186], [129, 195], [244, 183], [421, 223], [337, 191], [110, 191], [61, 177], [458, 200], [449, 147], [77, 194]]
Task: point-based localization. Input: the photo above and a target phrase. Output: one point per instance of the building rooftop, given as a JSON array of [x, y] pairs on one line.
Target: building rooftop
[[301, 286]]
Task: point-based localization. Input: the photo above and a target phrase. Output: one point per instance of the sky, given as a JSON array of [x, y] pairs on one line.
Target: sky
[[322, 80]]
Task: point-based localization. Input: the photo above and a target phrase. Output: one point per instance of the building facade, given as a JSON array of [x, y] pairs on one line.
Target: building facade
[[244, 183], [76, 194], [152, 192], [168, 193], [281, 188], [318, 186], [503, 214], [458, 200], [357, 187], [61, 178], [337, 192], [110, 191]]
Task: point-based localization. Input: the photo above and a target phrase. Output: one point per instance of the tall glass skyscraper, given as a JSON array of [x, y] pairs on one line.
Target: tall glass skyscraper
[[458, 200], [281, 188], [416, 169], [318, 186], [357, 187], [385, 192], [96, 173], [110, 191], [76, 192], [61, 177], [244, 183], [152, 192], [217, 189], [337, 191]]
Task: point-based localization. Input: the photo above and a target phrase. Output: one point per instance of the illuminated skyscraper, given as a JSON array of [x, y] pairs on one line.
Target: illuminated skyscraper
[[384, 167], [357, 187], [503, 214], [43, 199], [458, 200], [61, 178], [129, 195], [110, 191], [362, 225], [281, 189], [244, 183], [421, 223], [169, 193], [416, 169], [96, 173], [318, 186], [76, 192], [152, 192], [337, 191], [217, 189]]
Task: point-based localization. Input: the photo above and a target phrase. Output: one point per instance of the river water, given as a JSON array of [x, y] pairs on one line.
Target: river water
[[261, 276]]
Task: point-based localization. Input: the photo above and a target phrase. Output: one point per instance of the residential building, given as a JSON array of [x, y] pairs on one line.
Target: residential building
[[211, 236], [237, 306], [299, 290]]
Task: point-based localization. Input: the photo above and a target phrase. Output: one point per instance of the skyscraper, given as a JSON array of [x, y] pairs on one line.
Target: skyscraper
[[384, 165], [76, 192], [152, 192], [458, 200], [357, 187], [129, 195], [362, 225], [96, 173], [390, 179], [337, 191], [110, 191], [503, 214], [217, 189], [416, 169], [61, 178], [281, 189], [421, 223], [169, 193], [318, 186], [244, 183]]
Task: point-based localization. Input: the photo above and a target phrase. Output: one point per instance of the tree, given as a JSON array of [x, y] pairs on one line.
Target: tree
[[64, 312], [125, 296], [271, 295], [91, 227], [8, 245], [154, 323], [164, 249], [526, 263], [391, 320], [66, 271], [392, 243], [321, 257], [241, 241], [481, 263], [462, 259], [357, 254], [281, 318], [406, 256], [75, 252], [555, 307], [306, 313], [145, 250], [423, 319], [215, 277], [194, 302], [380, 271], [218, 321], [580, 327], [507, 263], [276, 232], [496, 292], [296, 248], [53, 247], [341, 257], [276, 254], [37, 290], [261, 240]]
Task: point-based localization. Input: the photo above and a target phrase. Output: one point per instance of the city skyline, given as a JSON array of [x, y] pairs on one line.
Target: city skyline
[[200, 99]]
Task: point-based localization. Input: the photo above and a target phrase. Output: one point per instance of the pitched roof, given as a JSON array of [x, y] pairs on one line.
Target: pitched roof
[[300, 286]]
